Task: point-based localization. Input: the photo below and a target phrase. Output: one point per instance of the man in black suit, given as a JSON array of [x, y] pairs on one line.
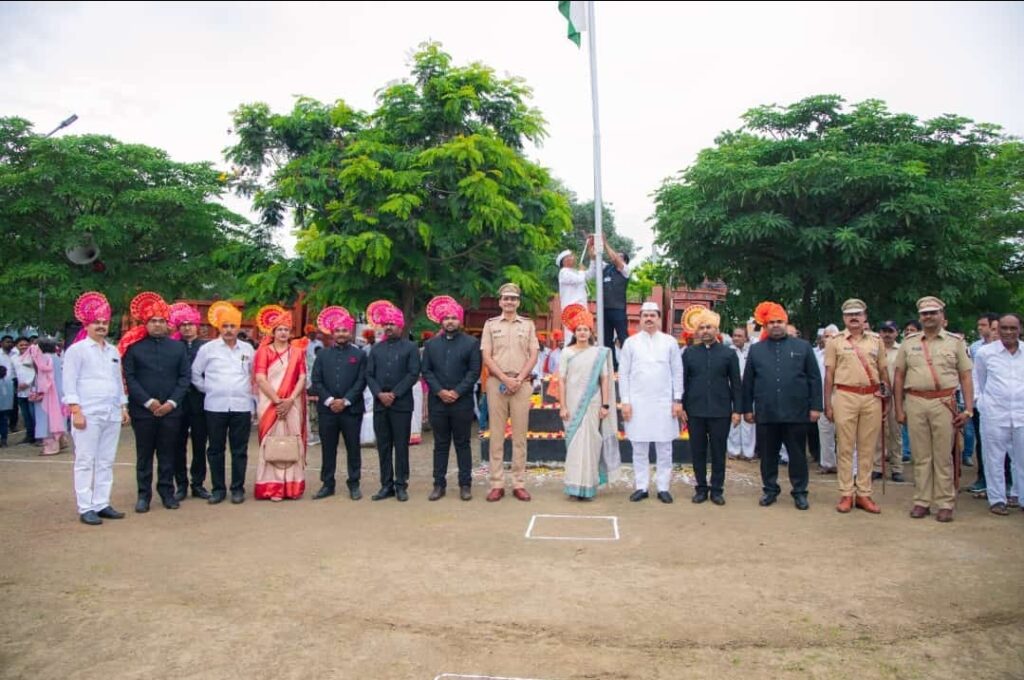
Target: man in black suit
[[193, 419], [156, 370], [392, 372], [712, 401], [451, 367], [339, 377], [782, 389]]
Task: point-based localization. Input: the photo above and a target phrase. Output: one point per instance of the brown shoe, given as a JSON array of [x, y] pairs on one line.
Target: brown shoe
[[436, 494], [919, 512], [495, 495], [466, 493], [865, 503], [845, 504], [521, 494], [999, 509], [945, 515]]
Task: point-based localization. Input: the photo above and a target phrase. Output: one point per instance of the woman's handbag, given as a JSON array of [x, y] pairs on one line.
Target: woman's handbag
[[282, 449]]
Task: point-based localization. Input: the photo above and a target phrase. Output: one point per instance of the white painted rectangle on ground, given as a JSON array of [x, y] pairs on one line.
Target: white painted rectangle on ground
[[478, 677], [573, 528]]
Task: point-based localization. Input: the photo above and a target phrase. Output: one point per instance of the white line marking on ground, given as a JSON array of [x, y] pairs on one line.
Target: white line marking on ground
[[614, 520]]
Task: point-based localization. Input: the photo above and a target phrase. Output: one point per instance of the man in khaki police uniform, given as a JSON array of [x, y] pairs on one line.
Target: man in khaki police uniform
[[889, 331], [509, 346], [855, 368], [929, 366]]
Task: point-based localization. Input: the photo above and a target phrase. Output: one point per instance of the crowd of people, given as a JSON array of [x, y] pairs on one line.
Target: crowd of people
[[856, 401]]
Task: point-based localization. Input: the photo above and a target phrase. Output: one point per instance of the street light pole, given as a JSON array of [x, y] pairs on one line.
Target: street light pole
[[63, 124]]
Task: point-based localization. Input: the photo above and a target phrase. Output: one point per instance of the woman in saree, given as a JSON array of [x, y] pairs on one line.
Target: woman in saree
[[279, 368], [47, 396], [586, 398]]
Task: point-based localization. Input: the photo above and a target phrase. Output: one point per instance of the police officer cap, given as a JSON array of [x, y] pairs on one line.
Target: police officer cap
[[509, 289], [854, 306], [930, 303]]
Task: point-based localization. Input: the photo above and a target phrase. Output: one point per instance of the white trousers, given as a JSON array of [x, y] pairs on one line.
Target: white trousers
[[742, 439], [827, 436], [95, 450], [642, 465], [997, 442]]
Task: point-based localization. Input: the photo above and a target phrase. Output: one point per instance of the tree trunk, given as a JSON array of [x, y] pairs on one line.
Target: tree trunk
[[408, 304]]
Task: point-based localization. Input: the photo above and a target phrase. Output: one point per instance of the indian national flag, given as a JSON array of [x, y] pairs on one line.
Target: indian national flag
[[576, 14]]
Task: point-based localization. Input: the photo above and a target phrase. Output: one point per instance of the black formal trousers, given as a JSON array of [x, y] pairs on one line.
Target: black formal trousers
[[703, 431], [335, 426], [452, 426], [228, 427], [193, 426], [615, 321], [794, 436], [392, 429], [159, 436], [814, 443]]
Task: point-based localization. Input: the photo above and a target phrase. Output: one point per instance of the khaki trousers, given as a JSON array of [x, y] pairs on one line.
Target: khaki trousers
[[893, 445], [930, 425], [500, 407], [858, 423]]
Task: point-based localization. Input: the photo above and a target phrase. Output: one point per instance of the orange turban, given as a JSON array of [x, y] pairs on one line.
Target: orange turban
[[222, 312], [770, 311], [576, 315]]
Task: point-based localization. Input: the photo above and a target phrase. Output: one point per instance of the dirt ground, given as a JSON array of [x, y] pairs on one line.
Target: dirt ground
[[364, 590]]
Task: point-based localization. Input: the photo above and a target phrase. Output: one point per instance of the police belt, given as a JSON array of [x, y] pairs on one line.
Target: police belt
[[933, 394], [859, 389]]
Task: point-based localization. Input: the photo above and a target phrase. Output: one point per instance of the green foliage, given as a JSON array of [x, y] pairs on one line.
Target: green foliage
[[428, 194], [810, 204], [156, 223]]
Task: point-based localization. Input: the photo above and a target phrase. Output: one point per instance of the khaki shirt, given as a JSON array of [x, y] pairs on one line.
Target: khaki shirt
[[949, 358], [509, 343], [847, 368], [890, 361]]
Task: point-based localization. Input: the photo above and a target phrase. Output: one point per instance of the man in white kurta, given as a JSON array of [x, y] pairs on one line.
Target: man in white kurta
[[651, 392], [94, 392], [572, 282], [742, 436]]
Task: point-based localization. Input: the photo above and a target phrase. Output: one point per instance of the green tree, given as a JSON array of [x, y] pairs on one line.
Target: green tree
[[157, 224], [809, 204], [430, 193]]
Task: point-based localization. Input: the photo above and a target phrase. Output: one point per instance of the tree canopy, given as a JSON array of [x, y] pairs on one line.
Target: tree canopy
[[812, 203], [157, 224], [430, 193]]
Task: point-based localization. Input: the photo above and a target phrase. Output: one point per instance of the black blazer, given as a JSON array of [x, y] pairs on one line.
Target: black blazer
[[394, 366], [156, 368], [711, 381], [451, 364], [339, 372], [194, 398], [781, 382]]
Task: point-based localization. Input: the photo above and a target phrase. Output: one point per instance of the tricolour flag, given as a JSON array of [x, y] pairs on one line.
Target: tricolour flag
[[576, 14]]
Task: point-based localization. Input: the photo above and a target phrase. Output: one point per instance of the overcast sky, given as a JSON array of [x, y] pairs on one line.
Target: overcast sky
[[672, 76]]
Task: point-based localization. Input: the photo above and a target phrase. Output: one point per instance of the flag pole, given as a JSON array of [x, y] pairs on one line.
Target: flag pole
[[598, 202]]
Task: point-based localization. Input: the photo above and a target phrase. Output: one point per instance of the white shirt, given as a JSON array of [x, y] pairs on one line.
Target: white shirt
[[650, 380], [741, 354], [24, 371], [1000, 384], [224, 374], [572, 285], [92, 378]]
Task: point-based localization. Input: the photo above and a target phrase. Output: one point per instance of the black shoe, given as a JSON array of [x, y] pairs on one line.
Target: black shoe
[[437, 494], [768, 499], [171, 503], [466, 493], [664, 497], [142, 505], [200, 492], [181, 494], [382, 494], [216, 497], [109, 513], [876, 475], [237, 497], [801, 502], [324, 492], [638, 495], [354, 493], [90, 518], [402, 495], [700, 497], [898, 477], [718, 499]]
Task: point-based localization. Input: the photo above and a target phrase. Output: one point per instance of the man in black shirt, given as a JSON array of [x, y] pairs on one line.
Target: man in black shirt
[[782, 389], [712, 399], [193, 417], [451, 367], [392, 372], [615, 279], [339, 377]]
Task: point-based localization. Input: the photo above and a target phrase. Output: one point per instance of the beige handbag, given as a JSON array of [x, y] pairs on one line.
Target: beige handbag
[[282, 449]]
